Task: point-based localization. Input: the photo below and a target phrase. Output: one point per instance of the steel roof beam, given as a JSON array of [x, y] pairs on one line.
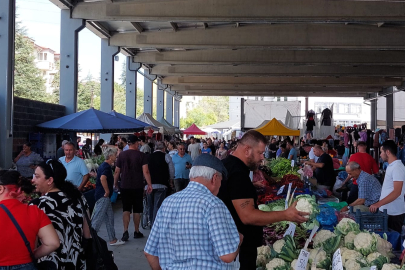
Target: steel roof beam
[[243, 11], [279, 57], [277, 70], [274, 94], [261, 88]]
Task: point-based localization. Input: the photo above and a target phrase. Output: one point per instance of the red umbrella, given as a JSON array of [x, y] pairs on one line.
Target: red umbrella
[[194, 130]]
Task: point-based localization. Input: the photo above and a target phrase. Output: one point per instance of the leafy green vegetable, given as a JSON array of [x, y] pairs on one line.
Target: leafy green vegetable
[[282, 166]]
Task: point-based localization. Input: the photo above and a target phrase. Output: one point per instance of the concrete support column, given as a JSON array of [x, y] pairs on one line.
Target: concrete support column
[[148, 93], [69, 41], [131, 87], [7, 29], [176, 113], [169, 108], [389, 99], [373, 111], [160, 98], [107, 75], [306, 106]]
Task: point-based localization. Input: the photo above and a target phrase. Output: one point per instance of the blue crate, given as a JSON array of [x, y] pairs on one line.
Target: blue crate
[[375, 222]]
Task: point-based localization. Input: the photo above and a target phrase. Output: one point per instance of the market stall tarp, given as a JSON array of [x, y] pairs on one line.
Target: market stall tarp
[[165, 123], [147, 118], [133, 120], [275, 127], [90, 120], [194, 130]]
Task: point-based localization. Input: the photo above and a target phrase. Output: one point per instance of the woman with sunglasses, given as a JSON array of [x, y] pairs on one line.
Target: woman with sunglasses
[[60, 202], [33, 222]]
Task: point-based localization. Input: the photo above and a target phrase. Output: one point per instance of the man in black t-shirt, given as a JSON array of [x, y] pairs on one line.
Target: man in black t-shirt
[[340, 149], [239, 195], [324, 172]]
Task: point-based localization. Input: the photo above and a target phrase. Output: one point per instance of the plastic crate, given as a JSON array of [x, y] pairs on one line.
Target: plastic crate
[[376, 222]]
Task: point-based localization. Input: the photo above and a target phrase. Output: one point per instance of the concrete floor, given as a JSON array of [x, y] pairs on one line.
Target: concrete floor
[[129, 256]]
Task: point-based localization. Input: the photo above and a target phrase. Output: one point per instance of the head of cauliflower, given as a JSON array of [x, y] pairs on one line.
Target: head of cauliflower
[[349, 239], [352, 265], [304, 205], [365, 243], [273, 264], [294, 262], [322, 236], [261, 260], [278, 245], [263, 250], [390, 266], [347, 225], [348, 254]]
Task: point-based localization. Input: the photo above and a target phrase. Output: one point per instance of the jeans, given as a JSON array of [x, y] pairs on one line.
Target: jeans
[[27, 266], [180, 184], [155, 199]]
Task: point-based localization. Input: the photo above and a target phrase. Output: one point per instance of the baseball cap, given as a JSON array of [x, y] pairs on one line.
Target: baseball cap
[[132, 139], [211, 162]]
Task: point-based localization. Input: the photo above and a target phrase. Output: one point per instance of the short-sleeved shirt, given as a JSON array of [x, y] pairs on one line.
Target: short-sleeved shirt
[[369, 188], [194, 150], [293, 152], [239, 186], [326, 174], [145, 149], [192, 230], [104, 169], [24, 163], [31, 219], [311, 155], [130, 163], [206, 151], [395, 172], [366, 161], [76, 169], [179, 162]]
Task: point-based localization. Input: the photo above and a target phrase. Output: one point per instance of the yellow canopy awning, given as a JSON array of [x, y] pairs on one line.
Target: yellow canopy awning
[[275, 127]]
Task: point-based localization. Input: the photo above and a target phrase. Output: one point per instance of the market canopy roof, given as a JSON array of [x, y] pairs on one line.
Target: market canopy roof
[[132, 120], [275, 127], [165, 123], [256, 47], [90, 120], [194, 130], [147, 118]]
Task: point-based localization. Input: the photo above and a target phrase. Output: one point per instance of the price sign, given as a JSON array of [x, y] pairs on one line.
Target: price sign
[[403, 244], [288, 195], [290, 230], [292, 163], [302, 260], [337, 260], [280, 190], [373, 267], [314, 230]]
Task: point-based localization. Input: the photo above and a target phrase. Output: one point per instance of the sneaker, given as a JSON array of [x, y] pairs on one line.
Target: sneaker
[[117, 243], [138, 235], [125, 236]]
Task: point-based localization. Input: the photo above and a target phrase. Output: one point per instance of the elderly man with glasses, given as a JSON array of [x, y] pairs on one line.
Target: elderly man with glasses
[[193, 228]]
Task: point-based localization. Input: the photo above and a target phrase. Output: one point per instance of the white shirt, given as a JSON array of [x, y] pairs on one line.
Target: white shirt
[[395, 172], [312, 155], [194, 150]]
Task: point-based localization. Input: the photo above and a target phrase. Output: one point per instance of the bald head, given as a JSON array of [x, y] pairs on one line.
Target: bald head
[[252, 138]]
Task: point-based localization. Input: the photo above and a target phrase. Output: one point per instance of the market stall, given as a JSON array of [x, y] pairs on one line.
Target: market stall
[[276, 127], [360, 239], [194, 130], [147, 118]]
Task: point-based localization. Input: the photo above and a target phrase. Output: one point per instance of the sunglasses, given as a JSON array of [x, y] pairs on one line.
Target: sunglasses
[[49, 162]]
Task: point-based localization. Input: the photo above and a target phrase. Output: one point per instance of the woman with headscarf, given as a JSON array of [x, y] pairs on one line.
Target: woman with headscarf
[[60, 201]]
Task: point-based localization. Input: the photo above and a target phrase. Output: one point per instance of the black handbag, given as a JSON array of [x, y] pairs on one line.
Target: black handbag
[[96, 252], [20, 231]]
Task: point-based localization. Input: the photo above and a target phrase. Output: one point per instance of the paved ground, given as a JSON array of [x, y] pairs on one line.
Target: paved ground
[[129, 256]]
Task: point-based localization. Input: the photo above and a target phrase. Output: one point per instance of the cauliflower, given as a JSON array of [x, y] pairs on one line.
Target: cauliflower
[[278, 245], [390, 266], [293, 265], [383, 246], [261, 260], [321, 258], [322, 236], [273, 264], [304, 205], [307, 203], [349, 239], [352, 265], [365, 243], [263, 250], [348, 254], [377, 259], [347, 225], [371, 257]]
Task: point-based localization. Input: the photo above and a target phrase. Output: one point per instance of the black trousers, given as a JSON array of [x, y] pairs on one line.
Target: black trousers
[[395, 222], [247, 257]]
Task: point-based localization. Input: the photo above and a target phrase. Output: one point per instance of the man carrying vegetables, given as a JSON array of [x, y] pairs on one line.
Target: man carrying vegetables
[[239, 195]]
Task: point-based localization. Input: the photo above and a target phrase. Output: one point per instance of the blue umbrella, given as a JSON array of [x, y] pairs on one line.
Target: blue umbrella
[[90, 120], [132, 120]]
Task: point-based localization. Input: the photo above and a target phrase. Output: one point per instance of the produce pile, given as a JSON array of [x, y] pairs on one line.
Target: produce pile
[[282, 166], [359, 250], [292, 178]]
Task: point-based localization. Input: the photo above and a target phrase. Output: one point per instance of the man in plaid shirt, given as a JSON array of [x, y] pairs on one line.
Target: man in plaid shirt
[[369, 187], [193, 228]]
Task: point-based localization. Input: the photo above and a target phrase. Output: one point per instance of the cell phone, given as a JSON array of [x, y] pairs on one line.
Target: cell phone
[[187, 164]]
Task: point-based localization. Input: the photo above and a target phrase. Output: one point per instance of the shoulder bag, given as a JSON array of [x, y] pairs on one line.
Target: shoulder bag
[[97, 255]]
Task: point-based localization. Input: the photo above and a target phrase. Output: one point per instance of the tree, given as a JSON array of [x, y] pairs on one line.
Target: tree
[[28, 80], [199, 117], [88, 94], [56, 84]]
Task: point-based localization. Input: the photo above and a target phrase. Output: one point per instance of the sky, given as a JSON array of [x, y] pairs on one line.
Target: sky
[[41, 19]]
